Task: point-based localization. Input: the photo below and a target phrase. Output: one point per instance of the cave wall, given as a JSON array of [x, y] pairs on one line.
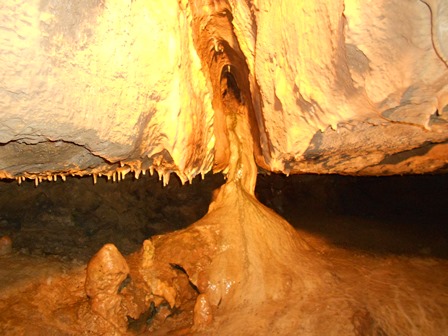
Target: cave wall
[[348, 84], [111, 87]]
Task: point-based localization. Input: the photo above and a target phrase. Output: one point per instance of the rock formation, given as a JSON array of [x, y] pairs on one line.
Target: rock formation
[[112, 87], [106, 87]]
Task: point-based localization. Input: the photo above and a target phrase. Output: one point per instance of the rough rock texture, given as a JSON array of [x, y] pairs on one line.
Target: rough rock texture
[[106, 272], [87, 84], [345, 84], [110, 87]]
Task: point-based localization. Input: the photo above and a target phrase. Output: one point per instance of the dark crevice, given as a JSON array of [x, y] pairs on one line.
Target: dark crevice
[[139, 325], [182, 270], [230, 84], [224, 63], [125, 282], [404, 155]]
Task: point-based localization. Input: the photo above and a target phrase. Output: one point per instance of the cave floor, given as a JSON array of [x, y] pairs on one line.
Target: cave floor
[[385, 239]]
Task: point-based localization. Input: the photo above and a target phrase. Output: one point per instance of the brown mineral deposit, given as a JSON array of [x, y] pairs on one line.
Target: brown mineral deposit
[[106, 272], [241, 257], [202, 312]]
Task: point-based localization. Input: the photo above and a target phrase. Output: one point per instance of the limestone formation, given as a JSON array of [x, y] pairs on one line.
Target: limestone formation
[[106, 272], [117, 87], [110, 88]]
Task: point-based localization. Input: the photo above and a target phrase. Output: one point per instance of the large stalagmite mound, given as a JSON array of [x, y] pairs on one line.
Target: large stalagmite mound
[[242, 258]]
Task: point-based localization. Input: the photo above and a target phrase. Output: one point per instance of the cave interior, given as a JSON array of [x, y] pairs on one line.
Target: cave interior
[[224, 167]]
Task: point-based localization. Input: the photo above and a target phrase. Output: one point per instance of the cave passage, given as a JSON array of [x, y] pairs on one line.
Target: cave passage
[[391, 224], [74, 225]]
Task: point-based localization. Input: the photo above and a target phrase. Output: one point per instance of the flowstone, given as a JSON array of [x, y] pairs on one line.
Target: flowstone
[[241, 260]]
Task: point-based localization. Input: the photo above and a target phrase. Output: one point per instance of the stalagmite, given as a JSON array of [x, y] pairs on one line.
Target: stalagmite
[[106, 272], [241, 256]]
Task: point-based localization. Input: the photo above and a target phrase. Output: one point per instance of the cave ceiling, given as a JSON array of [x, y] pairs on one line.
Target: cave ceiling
[[107, 88]]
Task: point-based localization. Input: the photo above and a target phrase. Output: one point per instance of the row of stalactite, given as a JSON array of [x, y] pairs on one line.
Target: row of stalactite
[[115, 176]]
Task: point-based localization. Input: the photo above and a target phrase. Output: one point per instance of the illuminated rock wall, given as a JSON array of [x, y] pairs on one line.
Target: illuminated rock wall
[[111, 87], [347, 85], [86, 84]]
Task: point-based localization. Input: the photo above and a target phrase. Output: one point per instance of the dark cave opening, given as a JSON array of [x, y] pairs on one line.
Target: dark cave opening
[[73, 219], [378, 215], [404, 215]]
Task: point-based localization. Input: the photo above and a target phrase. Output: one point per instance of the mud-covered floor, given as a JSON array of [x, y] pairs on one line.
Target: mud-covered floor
[[394, 227]]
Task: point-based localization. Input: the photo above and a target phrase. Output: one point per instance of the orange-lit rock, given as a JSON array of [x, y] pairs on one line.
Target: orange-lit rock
[[106, 272], [87, 84], [241, 257], [89, 87], [339, 70]]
